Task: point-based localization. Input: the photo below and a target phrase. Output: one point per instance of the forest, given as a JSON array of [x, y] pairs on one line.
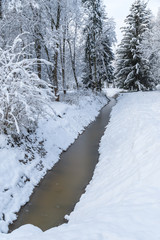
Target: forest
[[48, 47], [52, 46]]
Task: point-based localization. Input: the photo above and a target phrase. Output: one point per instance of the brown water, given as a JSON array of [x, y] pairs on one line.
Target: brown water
[[63, 186]]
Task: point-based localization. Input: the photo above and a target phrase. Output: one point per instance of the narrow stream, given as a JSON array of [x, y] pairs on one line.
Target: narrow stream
[[63, 186]]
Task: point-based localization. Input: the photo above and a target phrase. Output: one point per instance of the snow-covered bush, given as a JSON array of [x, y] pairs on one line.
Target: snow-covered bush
[[23, 96]]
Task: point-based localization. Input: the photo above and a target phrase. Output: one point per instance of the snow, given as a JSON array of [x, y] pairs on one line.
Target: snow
[[21, 98], [56, 132], [122, 202], [111, 92], [158, 87]]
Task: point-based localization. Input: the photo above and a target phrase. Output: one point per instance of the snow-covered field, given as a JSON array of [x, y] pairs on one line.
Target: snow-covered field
[[21, 168], [122, 201]]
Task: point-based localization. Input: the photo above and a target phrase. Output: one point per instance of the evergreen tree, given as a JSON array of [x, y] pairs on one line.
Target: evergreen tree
[[151, 46], [98, 52], [106, 55], [132, 69]]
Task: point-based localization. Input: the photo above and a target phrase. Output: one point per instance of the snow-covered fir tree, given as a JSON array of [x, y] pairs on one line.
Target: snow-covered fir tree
[[106, 55], [98, 51], [133, 70], [151, 48]]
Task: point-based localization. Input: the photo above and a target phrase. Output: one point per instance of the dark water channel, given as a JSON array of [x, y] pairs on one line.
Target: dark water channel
[[63, 186]]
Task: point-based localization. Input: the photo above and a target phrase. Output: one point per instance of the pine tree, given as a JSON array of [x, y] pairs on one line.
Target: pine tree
[[151, 47], [106, 55], [132, 69], [98, 52]]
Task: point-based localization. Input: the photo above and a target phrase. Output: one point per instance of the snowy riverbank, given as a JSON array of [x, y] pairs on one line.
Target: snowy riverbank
[[21, 168], [122, 200]]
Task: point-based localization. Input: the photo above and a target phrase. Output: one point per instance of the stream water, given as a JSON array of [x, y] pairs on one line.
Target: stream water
[[62, 187]]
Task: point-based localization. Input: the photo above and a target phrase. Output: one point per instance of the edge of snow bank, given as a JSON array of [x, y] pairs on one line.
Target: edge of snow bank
[[60, 132]]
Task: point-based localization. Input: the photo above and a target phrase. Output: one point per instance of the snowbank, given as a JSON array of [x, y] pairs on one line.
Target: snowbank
[[122, 201], [20, 171]]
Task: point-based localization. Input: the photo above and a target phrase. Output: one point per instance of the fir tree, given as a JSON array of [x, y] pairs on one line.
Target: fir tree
[[151, 48], [106, 56], [98, 51], [132, 69]]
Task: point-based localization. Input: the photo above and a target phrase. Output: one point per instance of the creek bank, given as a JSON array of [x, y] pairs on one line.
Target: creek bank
[[69, 120], [62, 187]]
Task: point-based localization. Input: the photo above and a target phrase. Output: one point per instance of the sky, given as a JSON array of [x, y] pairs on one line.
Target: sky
[[119, 9]]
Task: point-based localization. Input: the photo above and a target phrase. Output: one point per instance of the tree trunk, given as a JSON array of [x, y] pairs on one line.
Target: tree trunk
[[107, 83], [73, 53], [55, 69], [73, 64], [55, 75], [63, 59], [38, 55], [0, 9], [95, 64], [37, 36]]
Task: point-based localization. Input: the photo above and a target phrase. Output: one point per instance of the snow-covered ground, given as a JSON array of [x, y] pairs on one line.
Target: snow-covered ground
[[21, 168], [110, 92], [122, 201]]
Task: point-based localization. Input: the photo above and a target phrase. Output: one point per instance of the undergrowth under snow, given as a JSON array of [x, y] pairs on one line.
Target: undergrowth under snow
[[23, 166], [122, 201]]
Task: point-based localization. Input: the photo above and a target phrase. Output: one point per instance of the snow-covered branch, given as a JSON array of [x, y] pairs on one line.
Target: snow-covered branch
[[23, 95]]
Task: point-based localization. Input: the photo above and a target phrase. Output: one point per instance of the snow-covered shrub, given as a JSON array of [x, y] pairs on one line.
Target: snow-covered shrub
[[158, 87], [23, 96]]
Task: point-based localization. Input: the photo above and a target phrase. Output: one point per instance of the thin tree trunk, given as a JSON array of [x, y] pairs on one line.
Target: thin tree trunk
[[95, 64], [55, 75], [55, 69], [0, 9], [74, 49], [73, 64], [73, 53], [49, 68], [37, 35], [63, 59], [38, 55], [107, 83]]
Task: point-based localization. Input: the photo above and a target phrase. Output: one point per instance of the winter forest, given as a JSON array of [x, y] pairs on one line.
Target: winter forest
[[60, 64], [48, 47]]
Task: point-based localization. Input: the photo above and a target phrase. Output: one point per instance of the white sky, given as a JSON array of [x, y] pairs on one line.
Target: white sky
[[119, 9]]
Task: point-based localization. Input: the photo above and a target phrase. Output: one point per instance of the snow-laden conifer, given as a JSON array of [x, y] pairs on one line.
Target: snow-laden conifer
[[98, 43], [151, 48], [132, 68]]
